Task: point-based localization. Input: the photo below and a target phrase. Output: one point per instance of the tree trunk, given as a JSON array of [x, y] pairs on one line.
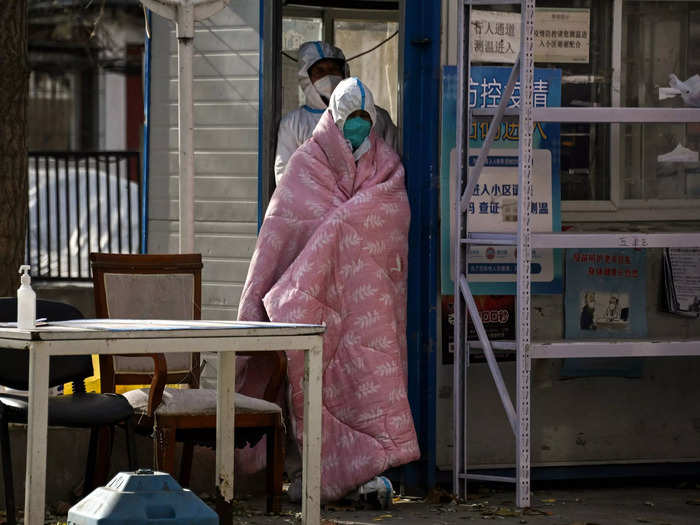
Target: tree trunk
[[14, 72]]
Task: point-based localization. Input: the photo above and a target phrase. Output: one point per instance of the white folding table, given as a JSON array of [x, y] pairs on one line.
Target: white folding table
[[116, 336]]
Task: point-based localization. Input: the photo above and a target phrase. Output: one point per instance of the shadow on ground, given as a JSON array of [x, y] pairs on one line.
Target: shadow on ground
[[676, 504]]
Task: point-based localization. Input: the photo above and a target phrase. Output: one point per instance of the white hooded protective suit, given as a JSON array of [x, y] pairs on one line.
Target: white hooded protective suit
[[349, 96], [297, 125]]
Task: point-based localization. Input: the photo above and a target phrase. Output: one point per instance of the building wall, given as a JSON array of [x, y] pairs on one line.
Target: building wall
[[120, 30], [226, 149], [112, 111], [587, 420]]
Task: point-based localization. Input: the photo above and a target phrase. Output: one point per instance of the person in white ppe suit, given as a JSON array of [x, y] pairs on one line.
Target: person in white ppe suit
[[321, 68]]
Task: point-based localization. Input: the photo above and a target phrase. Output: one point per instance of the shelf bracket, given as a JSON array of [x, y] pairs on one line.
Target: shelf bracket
[[488, 353]]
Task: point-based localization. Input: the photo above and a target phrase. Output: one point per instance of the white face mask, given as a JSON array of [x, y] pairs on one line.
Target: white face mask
[[327, 84]]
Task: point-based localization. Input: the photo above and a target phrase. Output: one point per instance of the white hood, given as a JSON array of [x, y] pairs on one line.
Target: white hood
[[351, 95], [309, 54]]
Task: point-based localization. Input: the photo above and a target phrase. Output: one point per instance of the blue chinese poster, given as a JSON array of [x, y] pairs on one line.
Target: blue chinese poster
[[493, 208], [606, 298], [606, 294]]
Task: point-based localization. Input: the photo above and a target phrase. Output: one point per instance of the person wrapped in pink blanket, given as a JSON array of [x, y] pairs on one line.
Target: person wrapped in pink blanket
[[333, 249]]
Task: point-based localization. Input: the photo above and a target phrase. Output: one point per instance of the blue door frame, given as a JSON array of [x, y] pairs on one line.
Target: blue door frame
[[421, 91], [146, 144]]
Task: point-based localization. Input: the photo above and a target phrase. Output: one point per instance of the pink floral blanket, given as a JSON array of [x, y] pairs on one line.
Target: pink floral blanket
[[333, 249]]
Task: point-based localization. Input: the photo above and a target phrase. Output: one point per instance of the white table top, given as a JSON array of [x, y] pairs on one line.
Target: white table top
[[81, 329]]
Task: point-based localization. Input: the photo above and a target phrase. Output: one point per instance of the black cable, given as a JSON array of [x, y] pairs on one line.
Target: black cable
[[356, 56], [375, 47]]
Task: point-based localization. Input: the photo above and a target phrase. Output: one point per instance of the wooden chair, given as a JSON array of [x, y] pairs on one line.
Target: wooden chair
[[169, 287]]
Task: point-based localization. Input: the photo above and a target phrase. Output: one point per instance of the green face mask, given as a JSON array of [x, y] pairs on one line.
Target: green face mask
[[356, 130]]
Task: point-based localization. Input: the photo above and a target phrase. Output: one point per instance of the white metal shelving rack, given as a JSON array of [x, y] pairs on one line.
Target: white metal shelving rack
[[525, 240]]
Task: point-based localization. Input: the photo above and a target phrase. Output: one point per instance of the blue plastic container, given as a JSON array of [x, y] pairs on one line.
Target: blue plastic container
[[142, 497]]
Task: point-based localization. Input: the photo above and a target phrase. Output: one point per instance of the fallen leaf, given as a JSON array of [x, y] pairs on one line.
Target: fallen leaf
[[383, 517], [437, 495], [549, 500], [531, 511], [693, 502], [506, 512]]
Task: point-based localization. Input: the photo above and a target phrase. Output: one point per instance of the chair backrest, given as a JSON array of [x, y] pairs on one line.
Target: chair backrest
[[14, 370], [147, 287]]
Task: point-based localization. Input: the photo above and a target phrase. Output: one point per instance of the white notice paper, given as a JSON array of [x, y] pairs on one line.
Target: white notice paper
[[561, 36], [683, 280], [494, 36]]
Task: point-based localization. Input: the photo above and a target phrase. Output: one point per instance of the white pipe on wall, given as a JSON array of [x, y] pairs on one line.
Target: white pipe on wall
[[186, 143]]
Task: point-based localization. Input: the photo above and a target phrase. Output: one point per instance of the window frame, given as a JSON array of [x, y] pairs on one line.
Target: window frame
[[271, 95], [329, 14], [617, 208]]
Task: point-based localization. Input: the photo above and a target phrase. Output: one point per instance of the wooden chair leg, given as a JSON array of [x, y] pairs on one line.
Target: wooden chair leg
[[186, 463], [275, 467], [280, 459], [7, 473], [165, 450], [224, 509]]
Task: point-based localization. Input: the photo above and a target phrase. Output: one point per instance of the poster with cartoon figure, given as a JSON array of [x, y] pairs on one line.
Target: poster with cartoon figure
[[605, 294], [605, 298]]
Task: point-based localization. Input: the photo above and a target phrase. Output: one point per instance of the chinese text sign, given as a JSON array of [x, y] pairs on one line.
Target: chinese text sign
[[493, 207]]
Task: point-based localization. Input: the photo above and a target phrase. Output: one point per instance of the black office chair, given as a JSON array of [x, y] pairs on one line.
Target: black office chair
[[80, 410]]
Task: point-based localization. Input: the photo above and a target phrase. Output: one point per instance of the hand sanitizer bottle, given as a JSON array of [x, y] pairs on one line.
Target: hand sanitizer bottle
[[26, 301]]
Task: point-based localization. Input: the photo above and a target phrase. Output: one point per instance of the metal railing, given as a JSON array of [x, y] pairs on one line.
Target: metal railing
[[80, 202]]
